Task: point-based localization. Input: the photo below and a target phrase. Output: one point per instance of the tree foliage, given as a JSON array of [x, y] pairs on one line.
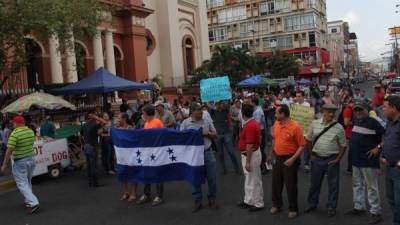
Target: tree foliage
[[282, 65], [43, 19], [239, 63]]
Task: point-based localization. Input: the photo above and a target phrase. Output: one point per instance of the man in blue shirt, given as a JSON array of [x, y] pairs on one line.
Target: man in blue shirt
[[366, 137], [391, 154]]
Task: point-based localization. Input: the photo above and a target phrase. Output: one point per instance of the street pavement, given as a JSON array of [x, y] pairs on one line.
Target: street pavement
[[68, 200]]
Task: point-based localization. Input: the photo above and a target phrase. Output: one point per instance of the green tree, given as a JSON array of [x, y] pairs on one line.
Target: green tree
[[237, 63], [44, 19], [282, 65]]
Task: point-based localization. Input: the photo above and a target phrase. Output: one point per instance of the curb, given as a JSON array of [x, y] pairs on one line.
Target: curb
[[7, 185]]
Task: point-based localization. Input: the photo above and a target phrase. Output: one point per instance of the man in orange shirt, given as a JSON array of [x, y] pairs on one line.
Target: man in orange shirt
[[151, 123], [288, 145]]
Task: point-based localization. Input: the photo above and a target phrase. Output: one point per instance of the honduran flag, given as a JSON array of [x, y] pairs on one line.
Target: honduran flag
[[159, 155]]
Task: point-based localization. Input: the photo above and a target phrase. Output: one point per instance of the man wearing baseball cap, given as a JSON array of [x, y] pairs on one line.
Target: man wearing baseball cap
[[365, 146], [196, 122], [20, 146]]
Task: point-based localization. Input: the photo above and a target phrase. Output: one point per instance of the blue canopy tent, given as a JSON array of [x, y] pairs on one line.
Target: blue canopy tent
[[257, 81], [101, 82]]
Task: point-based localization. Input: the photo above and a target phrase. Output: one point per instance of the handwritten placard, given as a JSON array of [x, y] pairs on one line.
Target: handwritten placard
[[215, 89], [303, 115]]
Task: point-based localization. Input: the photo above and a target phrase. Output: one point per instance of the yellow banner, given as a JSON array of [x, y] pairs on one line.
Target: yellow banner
[[303, 115]]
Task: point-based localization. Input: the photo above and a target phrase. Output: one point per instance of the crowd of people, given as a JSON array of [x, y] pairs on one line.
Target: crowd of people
[[257, 123]]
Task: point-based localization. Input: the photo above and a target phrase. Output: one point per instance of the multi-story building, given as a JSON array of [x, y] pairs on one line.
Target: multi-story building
[[144, 38], [180, 30], [338, 38], [297, 27]]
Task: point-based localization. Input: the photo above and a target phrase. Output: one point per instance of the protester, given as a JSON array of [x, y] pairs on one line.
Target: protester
[[306, 156], [164, 115], [124, 106], [391, 155], [130, 196], [327, 99], [260, 118], [221, 117], [151, 122], [90, 135], [20, 147], [48, 129], [107, 153], [196, 122], [364, 145], [236, 116], [328, 141], [288, 144], [249, 146], [346, 120]]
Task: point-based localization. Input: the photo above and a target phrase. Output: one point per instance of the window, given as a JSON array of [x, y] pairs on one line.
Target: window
[[283, 5], [266, 8], [217, 34], [314, 39], [232, 14], [278, 42], [299, 22], [248, 29], [316, 4], [215, 3], [334, 30]]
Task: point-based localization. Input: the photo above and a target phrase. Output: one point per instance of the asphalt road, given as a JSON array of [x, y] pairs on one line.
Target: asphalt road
[[68, 200]]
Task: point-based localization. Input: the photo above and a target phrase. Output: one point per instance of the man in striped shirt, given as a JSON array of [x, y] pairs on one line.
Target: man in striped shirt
[[20, 146]]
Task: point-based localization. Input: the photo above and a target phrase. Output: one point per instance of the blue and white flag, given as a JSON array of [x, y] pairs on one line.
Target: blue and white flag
[[159, 155]]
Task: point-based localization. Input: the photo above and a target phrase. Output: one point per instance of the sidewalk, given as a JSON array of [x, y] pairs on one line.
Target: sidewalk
[[6, 182]]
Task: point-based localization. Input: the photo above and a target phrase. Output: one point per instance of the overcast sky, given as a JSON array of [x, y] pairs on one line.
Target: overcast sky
[[370, 19]]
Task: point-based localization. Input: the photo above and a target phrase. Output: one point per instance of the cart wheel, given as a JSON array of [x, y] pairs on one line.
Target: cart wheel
[[54, 171]]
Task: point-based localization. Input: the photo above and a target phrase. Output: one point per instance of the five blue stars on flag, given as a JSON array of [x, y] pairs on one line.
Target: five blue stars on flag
[[153, 157]]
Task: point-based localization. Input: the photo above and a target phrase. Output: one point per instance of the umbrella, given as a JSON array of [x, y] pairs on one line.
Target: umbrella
[[101, 81], [40, 100], [257, 81]]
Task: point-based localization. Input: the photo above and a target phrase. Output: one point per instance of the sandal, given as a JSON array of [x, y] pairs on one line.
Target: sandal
[[132, 198], [125, 196]]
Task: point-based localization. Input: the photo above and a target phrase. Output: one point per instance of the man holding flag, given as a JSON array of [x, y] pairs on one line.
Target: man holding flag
[[197, 122]]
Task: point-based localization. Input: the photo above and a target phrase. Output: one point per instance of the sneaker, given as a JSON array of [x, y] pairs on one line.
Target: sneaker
[[143, 199], [375, 219], [243, 205], [197, 206], [157, 201], [355, 212], [307, 168], [275, 210], [331, 212], [111, 172], [255, 209], [293, 215], [32, 209]]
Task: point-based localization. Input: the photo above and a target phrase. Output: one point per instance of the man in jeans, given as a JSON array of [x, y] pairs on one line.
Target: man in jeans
[[222, 122], [326, 154], [20, 146], [90, 136], [364, 144], [196, 122], [391, 155]]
